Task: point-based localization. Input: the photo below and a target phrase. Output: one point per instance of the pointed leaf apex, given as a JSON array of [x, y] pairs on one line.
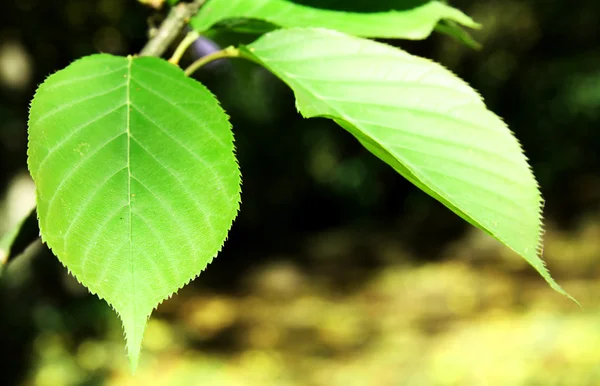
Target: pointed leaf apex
[[422, 120], [133, 199], [134, 345]]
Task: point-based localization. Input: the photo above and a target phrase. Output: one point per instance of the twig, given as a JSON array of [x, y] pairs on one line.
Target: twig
[[187, 41], [177, 18], [229, 52]]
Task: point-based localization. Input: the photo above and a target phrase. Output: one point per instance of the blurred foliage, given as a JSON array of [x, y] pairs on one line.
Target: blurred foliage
[[337, 272]]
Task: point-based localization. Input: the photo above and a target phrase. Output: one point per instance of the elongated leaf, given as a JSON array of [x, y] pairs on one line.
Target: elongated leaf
[[414, 23], [454, 30], [18, 238], [419, 118], [136, 179]]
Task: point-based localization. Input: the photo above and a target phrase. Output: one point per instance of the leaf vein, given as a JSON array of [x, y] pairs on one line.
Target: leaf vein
[[189, 195], [82, 207], [74, 132], [171, 212], [182, 111], [76, 166], [72, 80], [157, 272], [64, 106], [180, 144]]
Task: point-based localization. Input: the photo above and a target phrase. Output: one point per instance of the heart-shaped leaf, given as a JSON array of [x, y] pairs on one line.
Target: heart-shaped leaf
[[136, 179], [422, 120]]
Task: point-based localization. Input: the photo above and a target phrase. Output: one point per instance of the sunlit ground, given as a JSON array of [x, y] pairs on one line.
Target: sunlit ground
[[457, 322]]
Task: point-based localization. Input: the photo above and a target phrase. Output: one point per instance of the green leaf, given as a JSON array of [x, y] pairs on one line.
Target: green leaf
[[419, 118], [244, 26], [136, 179], [414, 23], [18, 238], [457, 32]]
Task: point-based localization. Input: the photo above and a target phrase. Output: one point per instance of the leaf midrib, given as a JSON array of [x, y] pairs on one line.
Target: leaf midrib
[[129, 203]]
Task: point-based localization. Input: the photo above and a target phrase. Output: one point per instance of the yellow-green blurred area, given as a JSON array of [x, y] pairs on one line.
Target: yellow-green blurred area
[[456, 322], [337, 271]]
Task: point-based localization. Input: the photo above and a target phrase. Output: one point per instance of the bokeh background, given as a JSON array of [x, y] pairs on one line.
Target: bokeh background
[[337, 270]]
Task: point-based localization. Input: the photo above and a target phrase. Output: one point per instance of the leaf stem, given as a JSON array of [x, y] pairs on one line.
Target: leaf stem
[[168, 31], [187, 41], [229, 52]]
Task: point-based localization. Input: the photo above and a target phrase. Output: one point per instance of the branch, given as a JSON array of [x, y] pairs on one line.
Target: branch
[[177, 18], [187, 41]]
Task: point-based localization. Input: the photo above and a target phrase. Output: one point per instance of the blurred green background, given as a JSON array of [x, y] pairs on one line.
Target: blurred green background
[[337, 271]]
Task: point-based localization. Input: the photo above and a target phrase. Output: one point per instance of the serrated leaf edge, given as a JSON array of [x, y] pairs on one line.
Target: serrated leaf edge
[[543, 271], [134, 362]]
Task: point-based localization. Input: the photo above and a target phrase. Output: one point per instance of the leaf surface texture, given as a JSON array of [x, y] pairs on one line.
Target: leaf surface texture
[[413, 23], [422, 120], [136, 179]]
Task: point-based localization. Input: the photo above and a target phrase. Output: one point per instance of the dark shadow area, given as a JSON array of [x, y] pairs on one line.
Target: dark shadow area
[[363, 6]]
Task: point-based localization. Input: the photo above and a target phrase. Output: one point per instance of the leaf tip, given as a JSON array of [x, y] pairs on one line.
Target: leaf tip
[[134, 356], [546, 275], [133, 327], [561, 291], [475, 25]]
